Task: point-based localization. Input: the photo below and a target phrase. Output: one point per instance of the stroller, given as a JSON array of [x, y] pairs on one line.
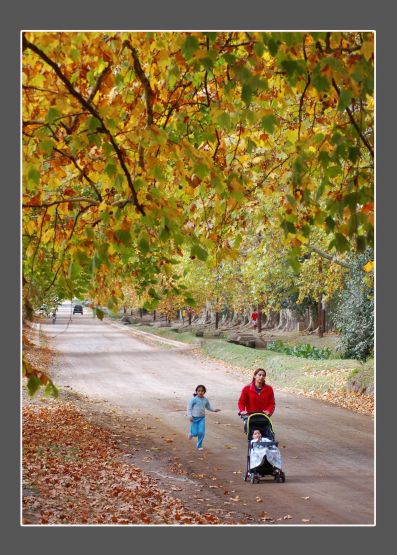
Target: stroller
[[264, 455]]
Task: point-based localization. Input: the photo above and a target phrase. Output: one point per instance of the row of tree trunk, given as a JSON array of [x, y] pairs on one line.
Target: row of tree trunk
[[284, 320]]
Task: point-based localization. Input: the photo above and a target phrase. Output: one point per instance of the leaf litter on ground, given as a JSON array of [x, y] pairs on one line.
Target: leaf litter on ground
[[74, 474]]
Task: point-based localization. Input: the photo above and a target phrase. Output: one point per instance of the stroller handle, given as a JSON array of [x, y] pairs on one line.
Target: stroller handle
[[247, 414]]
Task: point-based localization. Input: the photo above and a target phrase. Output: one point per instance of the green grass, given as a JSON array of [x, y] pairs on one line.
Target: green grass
[[285, 371]]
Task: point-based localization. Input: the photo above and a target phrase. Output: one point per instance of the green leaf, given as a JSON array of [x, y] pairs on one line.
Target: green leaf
[[190, 301], [341, 243], [361, 243], [152, 292], [34, 175], [75, 54], [294, 263], [333, 171], [201, 170], [119, 179], [344, 100], [46, 146], [199, 252], [224, 121], [294, 68], [52, 115], [268, 123], [320, 82], [123, 236], [259, 48], [74, 270], [273, 46], [111, 168], [143, 244], [33, 385], [93, 124], [246, 94], [52, 390], [330, 224], [354, 153], [288, 227], [190, 46], [165, 233], [251, 146]]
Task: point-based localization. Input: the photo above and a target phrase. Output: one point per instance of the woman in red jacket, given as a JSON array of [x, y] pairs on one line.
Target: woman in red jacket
[[257, 396]]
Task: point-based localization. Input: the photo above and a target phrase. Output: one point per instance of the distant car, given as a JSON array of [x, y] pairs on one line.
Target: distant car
[[77, 309]]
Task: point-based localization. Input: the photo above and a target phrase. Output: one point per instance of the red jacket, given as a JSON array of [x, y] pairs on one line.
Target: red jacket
[[251, 401]]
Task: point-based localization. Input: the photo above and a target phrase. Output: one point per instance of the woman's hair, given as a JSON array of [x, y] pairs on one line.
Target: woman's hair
[[259, 370], [203, 386]]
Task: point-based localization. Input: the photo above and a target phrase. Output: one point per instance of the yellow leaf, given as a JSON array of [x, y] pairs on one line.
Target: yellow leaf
[[367, 49], [48, 235], [31, 227], [369, 266]]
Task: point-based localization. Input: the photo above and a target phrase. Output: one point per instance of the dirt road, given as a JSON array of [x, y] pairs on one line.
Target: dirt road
[[327, 452]]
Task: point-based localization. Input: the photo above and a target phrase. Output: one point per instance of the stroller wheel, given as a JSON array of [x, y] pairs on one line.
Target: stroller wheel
[[280, 477], [253, 478]]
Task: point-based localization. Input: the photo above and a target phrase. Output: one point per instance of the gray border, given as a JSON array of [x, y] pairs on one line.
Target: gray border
[[178, 15]]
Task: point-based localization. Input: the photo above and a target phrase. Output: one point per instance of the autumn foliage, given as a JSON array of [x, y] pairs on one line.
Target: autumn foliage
[[142, 148]]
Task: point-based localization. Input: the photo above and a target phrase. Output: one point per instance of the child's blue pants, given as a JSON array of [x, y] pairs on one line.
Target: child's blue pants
[[197, 429]]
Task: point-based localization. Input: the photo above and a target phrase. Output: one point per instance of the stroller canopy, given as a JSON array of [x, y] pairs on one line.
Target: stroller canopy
[[259, 421]]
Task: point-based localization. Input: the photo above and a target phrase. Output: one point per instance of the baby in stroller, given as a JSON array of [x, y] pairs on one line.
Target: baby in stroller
[[263, 457]]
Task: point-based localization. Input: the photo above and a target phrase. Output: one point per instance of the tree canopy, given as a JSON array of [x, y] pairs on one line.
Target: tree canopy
[[144, 150]]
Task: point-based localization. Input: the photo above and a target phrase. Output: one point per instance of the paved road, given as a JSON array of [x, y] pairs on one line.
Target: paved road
[[327, 452]]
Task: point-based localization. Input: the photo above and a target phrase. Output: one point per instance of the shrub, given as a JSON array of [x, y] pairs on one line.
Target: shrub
[[354, 316], [303, 350]]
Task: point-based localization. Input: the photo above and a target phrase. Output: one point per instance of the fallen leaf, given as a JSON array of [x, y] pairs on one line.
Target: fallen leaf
[[308, 497], [305, 520], [287, 517]]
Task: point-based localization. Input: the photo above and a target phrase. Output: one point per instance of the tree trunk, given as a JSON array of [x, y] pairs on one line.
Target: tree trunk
[[259, 320], [216, 320], [154, 315], [320, 317], [190, 317]]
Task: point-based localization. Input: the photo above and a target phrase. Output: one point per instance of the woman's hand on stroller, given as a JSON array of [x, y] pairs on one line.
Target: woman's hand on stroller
[[243, 413]]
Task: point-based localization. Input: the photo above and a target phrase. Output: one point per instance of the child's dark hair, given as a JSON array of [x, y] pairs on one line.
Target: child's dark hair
[[203, 386]]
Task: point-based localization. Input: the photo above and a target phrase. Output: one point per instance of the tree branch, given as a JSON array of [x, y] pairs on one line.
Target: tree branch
[[329, 256], [92, 110], [354, 123], [149, 93]]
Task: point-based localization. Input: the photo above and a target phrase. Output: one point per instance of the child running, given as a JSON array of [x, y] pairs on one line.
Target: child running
[[196, 412]]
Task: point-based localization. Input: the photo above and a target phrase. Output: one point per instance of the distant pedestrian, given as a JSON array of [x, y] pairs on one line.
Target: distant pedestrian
[[196, 412], [254, 318]]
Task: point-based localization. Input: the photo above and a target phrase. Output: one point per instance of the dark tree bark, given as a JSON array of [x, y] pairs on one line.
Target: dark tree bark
[[259, 319]]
